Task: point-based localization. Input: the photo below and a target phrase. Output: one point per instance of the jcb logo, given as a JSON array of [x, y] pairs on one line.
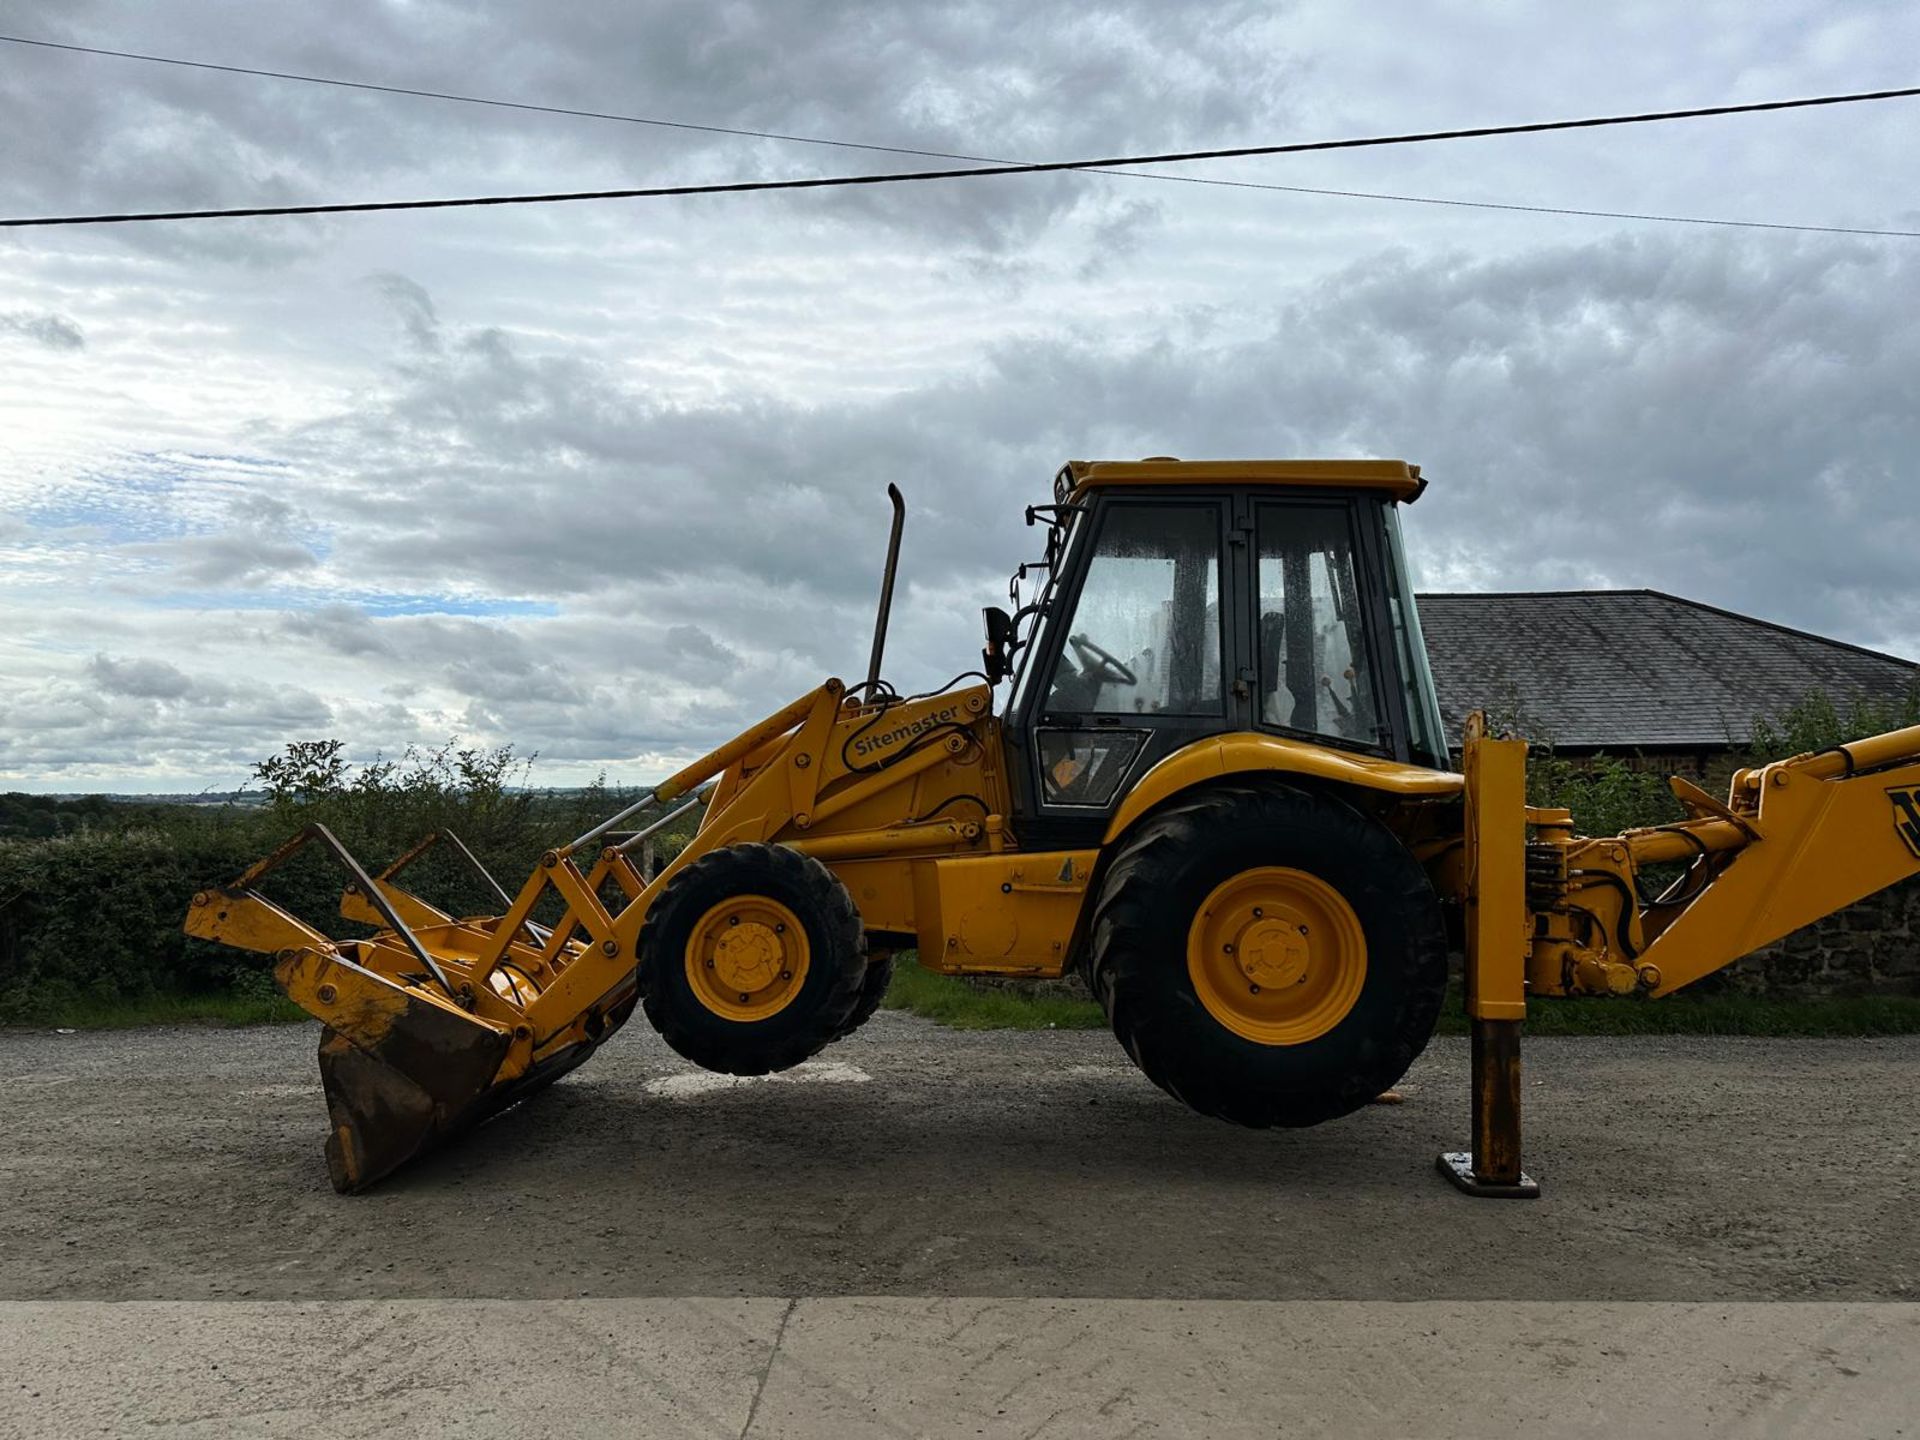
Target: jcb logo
[[1906, 816]]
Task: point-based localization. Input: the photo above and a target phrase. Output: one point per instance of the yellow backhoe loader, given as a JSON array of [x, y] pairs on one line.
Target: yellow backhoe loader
[[1217, 787]]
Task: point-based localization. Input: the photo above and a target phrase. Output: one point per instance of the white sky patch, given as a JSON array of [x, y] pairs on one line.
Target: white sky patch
[[606, 481]]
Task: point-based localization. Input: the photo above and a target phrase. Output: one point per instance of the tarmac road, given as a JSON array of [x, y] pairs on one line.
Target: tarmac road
[[912, 1160], [931, 1232]]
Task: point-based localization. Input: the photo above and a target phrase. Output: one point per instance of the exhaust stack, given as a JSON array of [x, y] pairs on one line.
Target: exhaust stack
[[886, 588]]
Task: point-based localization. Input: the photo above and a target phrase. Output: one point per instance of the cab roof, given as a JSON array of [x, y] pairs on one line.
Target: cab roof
[[1396, 479]]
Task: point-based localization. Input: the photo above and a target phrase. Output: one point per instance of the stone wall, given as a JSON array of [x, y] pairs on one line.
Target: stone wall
[[1872, 948]]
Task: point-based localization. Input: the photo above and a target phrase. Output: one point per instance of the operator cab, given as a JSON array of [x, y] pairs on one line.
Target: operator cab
[[1186, 600]]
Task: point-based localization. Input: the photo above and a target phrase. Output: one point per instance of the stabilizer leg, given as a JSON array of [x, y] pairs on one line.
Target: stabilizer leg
[[1497, 938], [1491, 1170]]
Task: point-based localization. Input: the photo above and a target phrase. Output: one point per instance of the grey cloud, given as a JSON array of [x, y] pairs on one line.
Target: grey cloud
[[230, 557], [1000, 79], [141, 714], [257, 548], [149, 679], [1648, 411], [56, 332], [341, 629], [669, 427], [412, 305]]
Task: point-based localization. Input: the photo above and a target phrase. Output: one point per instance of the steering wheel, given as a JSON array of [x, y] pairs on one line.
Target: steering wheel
[[1100, 664]]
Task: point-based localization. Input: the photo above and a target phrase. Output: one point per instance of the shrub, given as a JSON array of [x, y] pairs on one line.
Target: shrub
[[92, 916]]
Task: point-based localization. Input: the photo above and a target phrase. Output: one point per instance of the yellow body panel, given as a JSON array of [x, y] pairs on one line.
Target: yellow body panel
[[1393, 478], [1252, 753], [1011, 914]]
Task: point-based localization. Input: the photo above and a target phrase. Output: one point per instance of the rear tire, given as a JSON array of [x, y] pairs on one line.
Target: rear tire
[[752, 959], [1192, 1019]]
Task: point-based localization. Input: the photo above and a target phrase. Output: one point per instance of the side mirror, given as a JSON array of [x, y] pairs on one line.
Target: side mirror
[[993, 659]]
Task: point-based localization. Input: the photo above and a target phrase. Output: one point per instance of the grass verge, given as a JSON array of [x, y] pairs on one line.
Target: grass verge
[[214, 1009], [957, 1004]]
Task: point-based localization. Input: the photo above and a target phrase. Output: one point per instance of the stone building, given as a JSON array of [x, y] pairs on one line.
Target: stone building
[[1637, 673], [1668, 682]]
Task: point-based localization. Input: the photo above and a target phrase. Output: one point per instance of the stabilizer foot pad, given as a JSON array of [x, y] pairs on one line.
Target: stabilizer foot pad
[[1457, 1166]]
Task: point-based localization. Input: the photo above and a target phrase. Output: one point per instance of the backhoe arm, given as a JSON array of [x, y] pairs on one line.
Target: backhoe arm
[[1796, 841]]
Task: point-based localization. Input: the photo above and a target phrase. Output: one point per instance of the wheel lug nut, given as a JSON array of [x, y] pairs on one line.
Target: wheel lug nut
[[1228, 949], [786, 974], [709, 962], [1253, 989], [1303, 929], [1258, 912], [780, 927], [743, 997], [733, 919]]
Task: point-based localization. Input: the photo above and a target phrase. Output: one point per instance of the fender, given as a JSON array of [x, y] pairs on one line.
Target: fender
[[1248, 752]]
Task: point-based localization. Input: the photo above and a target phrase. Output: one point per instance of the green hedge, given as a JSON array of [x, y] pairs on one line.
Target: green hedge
[[91, 917]]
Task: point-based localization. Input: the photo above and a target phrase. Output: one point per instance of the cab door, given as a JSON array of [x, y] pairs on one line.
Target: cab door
[[1142, 655]]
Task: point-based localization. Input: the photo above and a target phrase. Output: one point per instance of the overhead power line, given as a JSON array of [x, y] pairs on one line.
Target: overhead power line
[[527, 106], [997, 161], [822, 182]]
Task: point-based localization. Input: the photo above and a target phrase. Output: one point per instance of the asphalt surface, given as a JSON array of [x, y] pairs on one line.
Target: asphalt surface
[[185, 1164]]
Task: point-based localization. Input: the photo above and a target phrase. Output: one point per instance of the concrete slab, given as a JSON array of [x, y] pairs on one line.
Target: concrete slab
[[841, 1369]]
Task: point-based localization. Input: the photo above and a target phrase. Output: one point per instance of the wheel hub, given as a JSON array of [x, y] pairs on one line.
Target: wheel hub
[[747, 957], [1275, 952], [1277, 955]]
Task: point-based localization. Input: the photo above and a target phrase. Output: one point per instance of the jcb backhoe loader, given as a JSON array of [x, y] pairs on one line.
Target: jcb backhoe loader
[[1217, 786]]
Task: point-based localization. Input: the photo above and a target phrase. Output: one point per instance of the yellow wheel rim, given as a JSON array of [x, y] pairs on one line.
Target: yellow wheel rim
[[747, 958], [1277, 956]]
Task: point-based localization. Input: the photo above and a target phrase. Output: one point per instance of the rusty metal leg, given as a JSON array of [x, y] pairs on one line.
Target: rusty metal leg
[[1492, 1168]]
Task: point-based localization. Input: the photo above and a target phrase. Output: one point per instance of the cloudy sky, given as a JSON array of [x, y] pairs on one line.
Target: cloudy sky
[[606, 481]]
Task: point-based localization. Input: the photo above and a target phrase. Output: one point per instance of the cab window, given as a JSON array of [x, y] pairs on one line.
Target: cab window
[[1315, 668], [1144, 635]]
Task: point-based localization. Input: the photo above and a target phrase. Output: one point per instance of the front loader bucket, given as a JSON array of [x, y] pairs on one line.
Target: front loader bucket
[[429, 1022], [402, 1071]]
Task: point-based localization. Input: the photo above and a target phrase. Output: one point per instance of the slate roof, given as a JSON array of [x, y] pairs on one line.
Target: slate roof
[[1621, 669]]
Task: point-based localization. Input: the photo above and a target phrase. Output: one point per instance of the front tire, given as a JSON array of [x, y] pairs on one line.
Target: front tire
[[1268, 955], [751, 959]]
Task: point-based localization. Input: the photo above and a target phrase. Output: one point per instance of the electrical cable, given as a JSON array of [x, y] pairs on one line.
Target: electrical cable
[[823, 182], [792, 139]]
